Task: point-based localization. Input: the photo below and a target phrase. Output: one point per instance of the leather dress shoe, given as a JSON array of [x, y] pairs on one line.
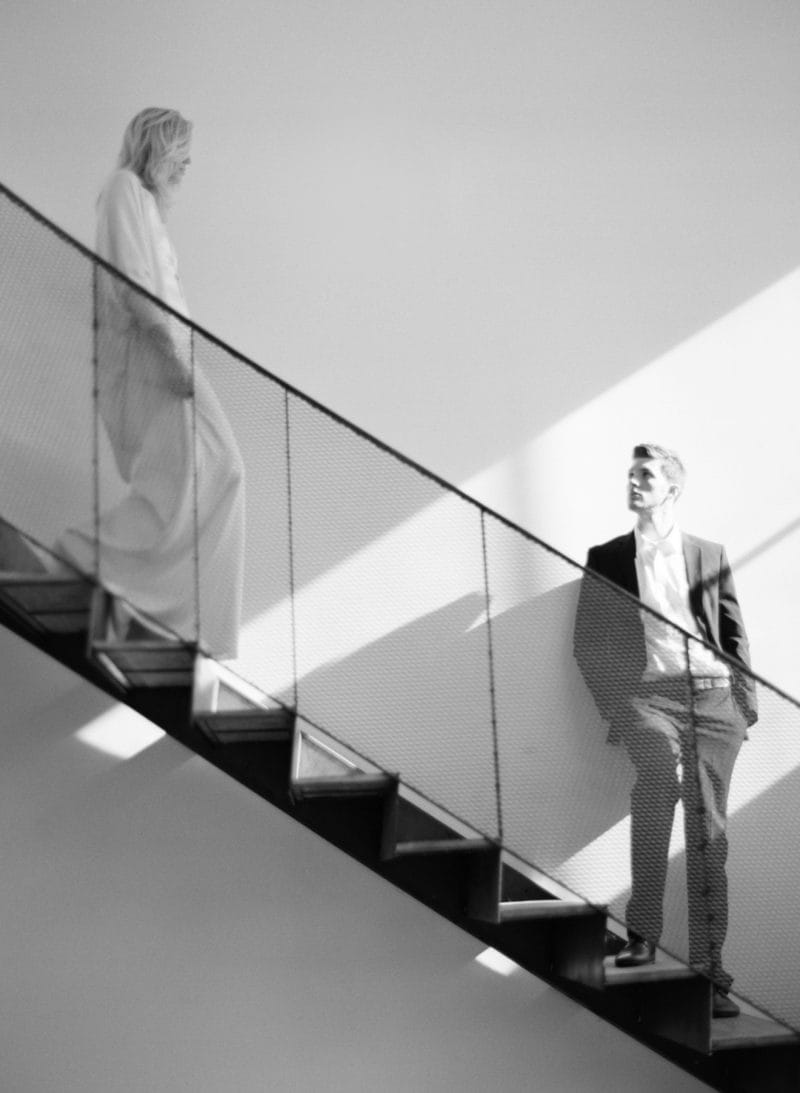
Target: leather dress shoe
[[638, 952], [722, 1005]]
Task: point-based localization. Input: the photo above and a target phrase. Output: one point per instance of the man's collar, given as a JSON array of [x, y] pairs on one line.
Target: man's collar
[[670, 544]]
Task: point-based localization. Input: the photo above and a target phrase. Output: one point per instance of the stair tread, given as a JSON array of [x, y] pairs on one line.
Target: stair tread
[[149, 645], [665, 967], [147, 655], [246, 716], [36, 593], [441, 846], [17, 577], [357, 783], [515, 910], [358, 777], [246, 725], [747, 1030]]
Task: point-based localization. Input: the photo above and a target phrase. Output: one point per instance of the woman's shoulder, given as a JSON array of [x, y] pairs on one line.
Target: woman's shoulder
[[122, 178], [123, 185]]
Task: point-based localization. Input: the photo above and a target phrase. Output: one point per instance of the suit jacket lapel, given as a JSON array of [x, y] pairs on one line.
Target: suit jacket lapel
[[627, 567], [699, 596], [694, 570]]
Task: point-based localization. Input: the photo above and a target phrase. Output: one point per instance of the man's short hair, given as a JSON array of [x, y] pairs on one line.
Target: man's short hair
[[674, 470]]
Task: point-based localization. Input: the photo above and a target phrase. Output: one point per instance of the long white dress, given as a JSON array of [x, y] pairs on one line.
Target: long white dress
[[173, 546]]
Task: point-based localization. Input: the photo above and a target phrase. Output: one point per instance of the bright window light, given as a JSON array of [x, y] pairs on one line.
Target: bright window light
[[119, 732]]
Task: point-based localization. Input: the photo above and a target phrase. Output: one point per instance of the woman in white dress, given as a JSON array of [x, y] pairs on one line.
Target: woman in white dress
[[173, 546]]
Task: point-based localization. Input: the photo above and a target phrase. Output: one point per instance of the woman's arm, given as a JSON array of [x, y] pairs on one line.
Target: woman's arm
[[128, 247]]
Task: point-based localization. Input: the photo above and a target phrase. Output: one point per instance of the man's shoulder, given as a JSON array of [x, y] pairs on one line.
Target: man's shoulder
[[622, 544], [707, 546], [618, 545], [613, 558]]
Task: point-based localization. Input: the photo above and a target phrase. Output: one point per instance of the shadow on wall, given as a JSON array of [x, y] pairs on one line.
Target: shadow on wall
[[563, 784], [418, 701]]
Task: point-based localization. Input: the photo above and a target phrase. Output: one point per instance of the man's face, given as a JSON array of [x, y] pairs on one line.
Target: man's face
[[648, 488]]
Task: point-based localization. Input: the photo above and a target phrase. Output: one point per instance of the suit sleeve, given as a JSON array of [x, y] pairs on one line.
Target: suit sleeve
[[588, 641], [733, 641], [609, 638]]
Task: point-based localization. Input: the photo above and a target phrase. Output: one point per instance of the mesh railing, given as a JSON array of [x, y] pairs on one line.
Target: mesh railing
[[395, 613]]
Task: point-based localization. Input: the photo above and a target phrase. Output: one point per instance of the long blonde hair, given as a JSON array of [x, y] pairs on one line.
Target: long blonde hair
[[154, 141]]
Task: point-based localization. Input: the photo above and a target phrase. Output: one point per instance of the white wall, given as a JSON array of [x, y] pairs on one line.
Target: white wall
[[508, 238], [164, 929]]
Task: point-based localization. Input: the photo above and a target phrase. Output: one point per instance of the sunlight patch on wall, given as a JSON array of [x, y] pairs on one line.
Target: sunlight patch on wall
[[119, 732], [600, 871], [496, 962], [423, 564], [719, 397]]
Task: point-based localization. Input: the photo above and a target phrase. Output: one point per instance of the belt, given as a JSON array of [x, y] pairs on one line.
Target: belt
[[678, 685], [708, 683]]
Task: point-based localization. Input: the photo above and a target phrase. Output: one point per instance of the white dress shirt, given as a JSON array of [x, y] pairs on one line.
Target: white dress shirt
[[664, 587]]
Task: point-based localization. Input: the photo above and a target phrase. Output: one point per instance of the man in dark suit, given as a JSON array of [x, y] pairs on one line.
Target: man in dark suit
[[651, 661]]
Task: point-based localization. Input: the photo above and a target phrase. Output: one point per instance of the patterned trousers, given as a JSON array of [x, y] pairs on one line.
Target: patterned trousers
[[683, 742]]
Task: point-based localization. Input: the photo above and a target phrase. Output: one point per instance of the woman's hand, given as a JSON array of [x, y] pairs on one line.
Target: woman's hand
[[178, 377]]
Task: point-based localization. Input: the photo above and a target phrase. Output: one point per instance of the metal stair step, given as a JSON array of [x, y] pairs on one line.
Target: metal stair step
[[246, 726], [146, 663], [441, 846], [665, 967], [355, 784], [143, 656], [749, 1031], [56, 604], [529, 909]]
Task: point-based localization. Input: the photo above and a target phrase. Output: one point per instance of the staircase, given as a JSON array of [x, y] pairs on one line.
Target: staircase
[[408, 693], [369, 813]]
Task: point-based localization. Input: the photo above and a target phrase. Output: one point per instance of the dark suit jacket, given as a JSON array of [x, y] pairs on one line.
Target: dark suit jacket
[[609, 636]]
